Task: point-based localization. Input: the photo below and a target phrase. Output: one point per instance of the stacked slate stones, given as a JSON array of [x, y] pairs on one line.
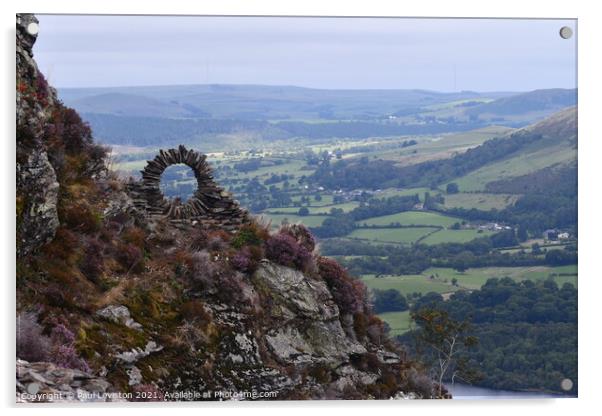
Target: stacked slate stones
[[210, 204]]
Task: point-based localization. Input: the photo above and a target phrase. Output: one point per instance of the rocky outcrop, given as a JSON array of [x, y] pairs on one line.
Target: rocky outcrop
[[296, 298], [36, 179], [210, 204], [45, 382]]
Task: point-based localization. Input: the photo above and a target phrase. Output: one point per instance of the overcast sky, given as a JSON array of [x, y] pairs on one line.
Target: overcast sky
[[434, 54]]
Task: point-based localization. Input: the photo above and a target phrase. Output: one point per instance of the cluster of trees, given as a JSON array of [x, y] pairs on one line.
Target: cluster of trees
[[389, 300], [340, 223], [480, 252], [527, 332]]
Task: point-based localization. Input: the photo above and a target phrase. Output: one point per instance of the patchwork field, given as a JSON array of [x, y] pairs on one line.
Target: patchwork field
[[406, 284], [392, 235], [412, 218], [310, 221], [455, 236], [480, 201], [440, 279]]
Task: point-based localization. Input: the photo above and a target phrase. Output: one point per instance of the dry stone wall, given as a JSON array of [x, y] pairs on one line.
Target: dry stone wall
[[210, 204]]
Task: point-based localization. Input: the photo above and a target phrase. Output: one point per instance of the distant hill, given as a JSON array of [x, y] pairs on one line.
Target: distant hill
[[258, 102], [134, 105], [548, 100]]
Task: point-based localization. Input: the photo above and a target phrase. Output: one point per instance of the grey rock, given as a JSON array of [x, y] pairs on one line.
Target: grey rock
[[119, 314], [135, 354], [46, 382], [296, 297], [135, 376]]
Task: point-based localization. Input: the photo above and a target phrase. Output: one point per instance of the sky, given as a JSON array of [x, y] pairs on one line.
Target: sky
[[332, 53]]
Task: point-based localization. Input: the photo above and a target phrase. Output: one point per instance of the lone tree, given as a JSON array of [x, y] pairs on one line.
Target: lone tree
[[303, 211], [444, 342], [452, 188]]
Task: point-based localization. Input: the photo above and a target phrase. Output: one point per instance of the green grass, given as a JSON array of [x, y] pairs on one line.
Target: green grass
[[454, 236], [387, 193], [522, 164], [309, 221], [412, 218], [399, 322], [408, 284], [439, 280], [474, 278], [326, 200], [480, 201], [325, 210], [392, 235]]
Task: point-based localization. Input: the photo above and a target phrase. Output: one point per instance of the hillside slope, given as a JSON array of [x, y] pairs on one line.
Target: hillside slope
[[557, 148]]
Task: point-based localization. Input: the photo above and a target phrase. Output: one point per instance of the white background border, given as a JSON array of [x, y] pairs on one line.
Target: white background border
[[590, 176]]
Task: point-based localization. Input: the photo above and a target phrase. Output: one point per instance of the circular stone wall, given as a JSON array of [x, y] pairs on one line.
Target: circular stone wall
[[208, 201]]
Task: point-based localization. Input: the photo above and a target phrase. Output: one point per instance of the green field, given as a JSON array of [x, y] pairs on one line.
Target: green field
[[387, 193], [454, 236], [310, 220], [325, 210], [392, 235], [399, 322], [476, 277], [480, 201], [439, 280], [420, 283], [412, 218]]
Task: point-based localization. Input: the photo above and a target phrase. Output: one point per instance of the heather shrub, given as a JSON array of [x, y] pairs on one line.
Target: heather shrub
[[204, 270], [80, 216], [194, 310], [63, 350], [348, 293], [58, 297], [91, 263], [134, 235], [247, 259], [41, 88], [249, 234], [63, 246], [32, 345], [217, 240], [300, 233], [235, 287], [130, 257], [199, 240], [285, 250]]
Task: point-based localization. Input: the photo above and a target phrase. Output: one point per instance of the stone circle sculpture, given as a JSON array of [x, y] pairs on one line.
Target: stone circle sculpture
[[208, 203]]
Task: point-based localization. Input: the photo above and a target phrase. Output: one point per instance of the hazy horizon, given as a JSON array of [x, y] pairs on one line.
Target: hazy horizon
[[300, 86], [444, 55]]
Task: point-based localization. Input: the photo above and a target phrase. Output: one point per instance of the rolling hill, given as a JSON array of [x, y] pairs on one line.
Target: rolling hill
[[260, 102], [539, 101]]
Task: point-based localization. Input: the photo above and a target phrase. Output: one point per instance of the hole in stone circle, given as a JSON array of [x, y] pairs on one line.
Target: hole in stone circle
[[178, 182]]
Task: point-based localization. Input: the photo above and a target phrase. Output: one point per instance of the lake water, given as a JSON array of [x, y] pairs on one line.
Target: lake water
[[466, 392]]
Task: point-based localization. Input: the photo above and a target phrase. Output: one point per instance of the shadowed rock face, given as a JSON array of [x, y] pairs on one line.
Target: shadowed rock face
[[36, 178], [210, 203]]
